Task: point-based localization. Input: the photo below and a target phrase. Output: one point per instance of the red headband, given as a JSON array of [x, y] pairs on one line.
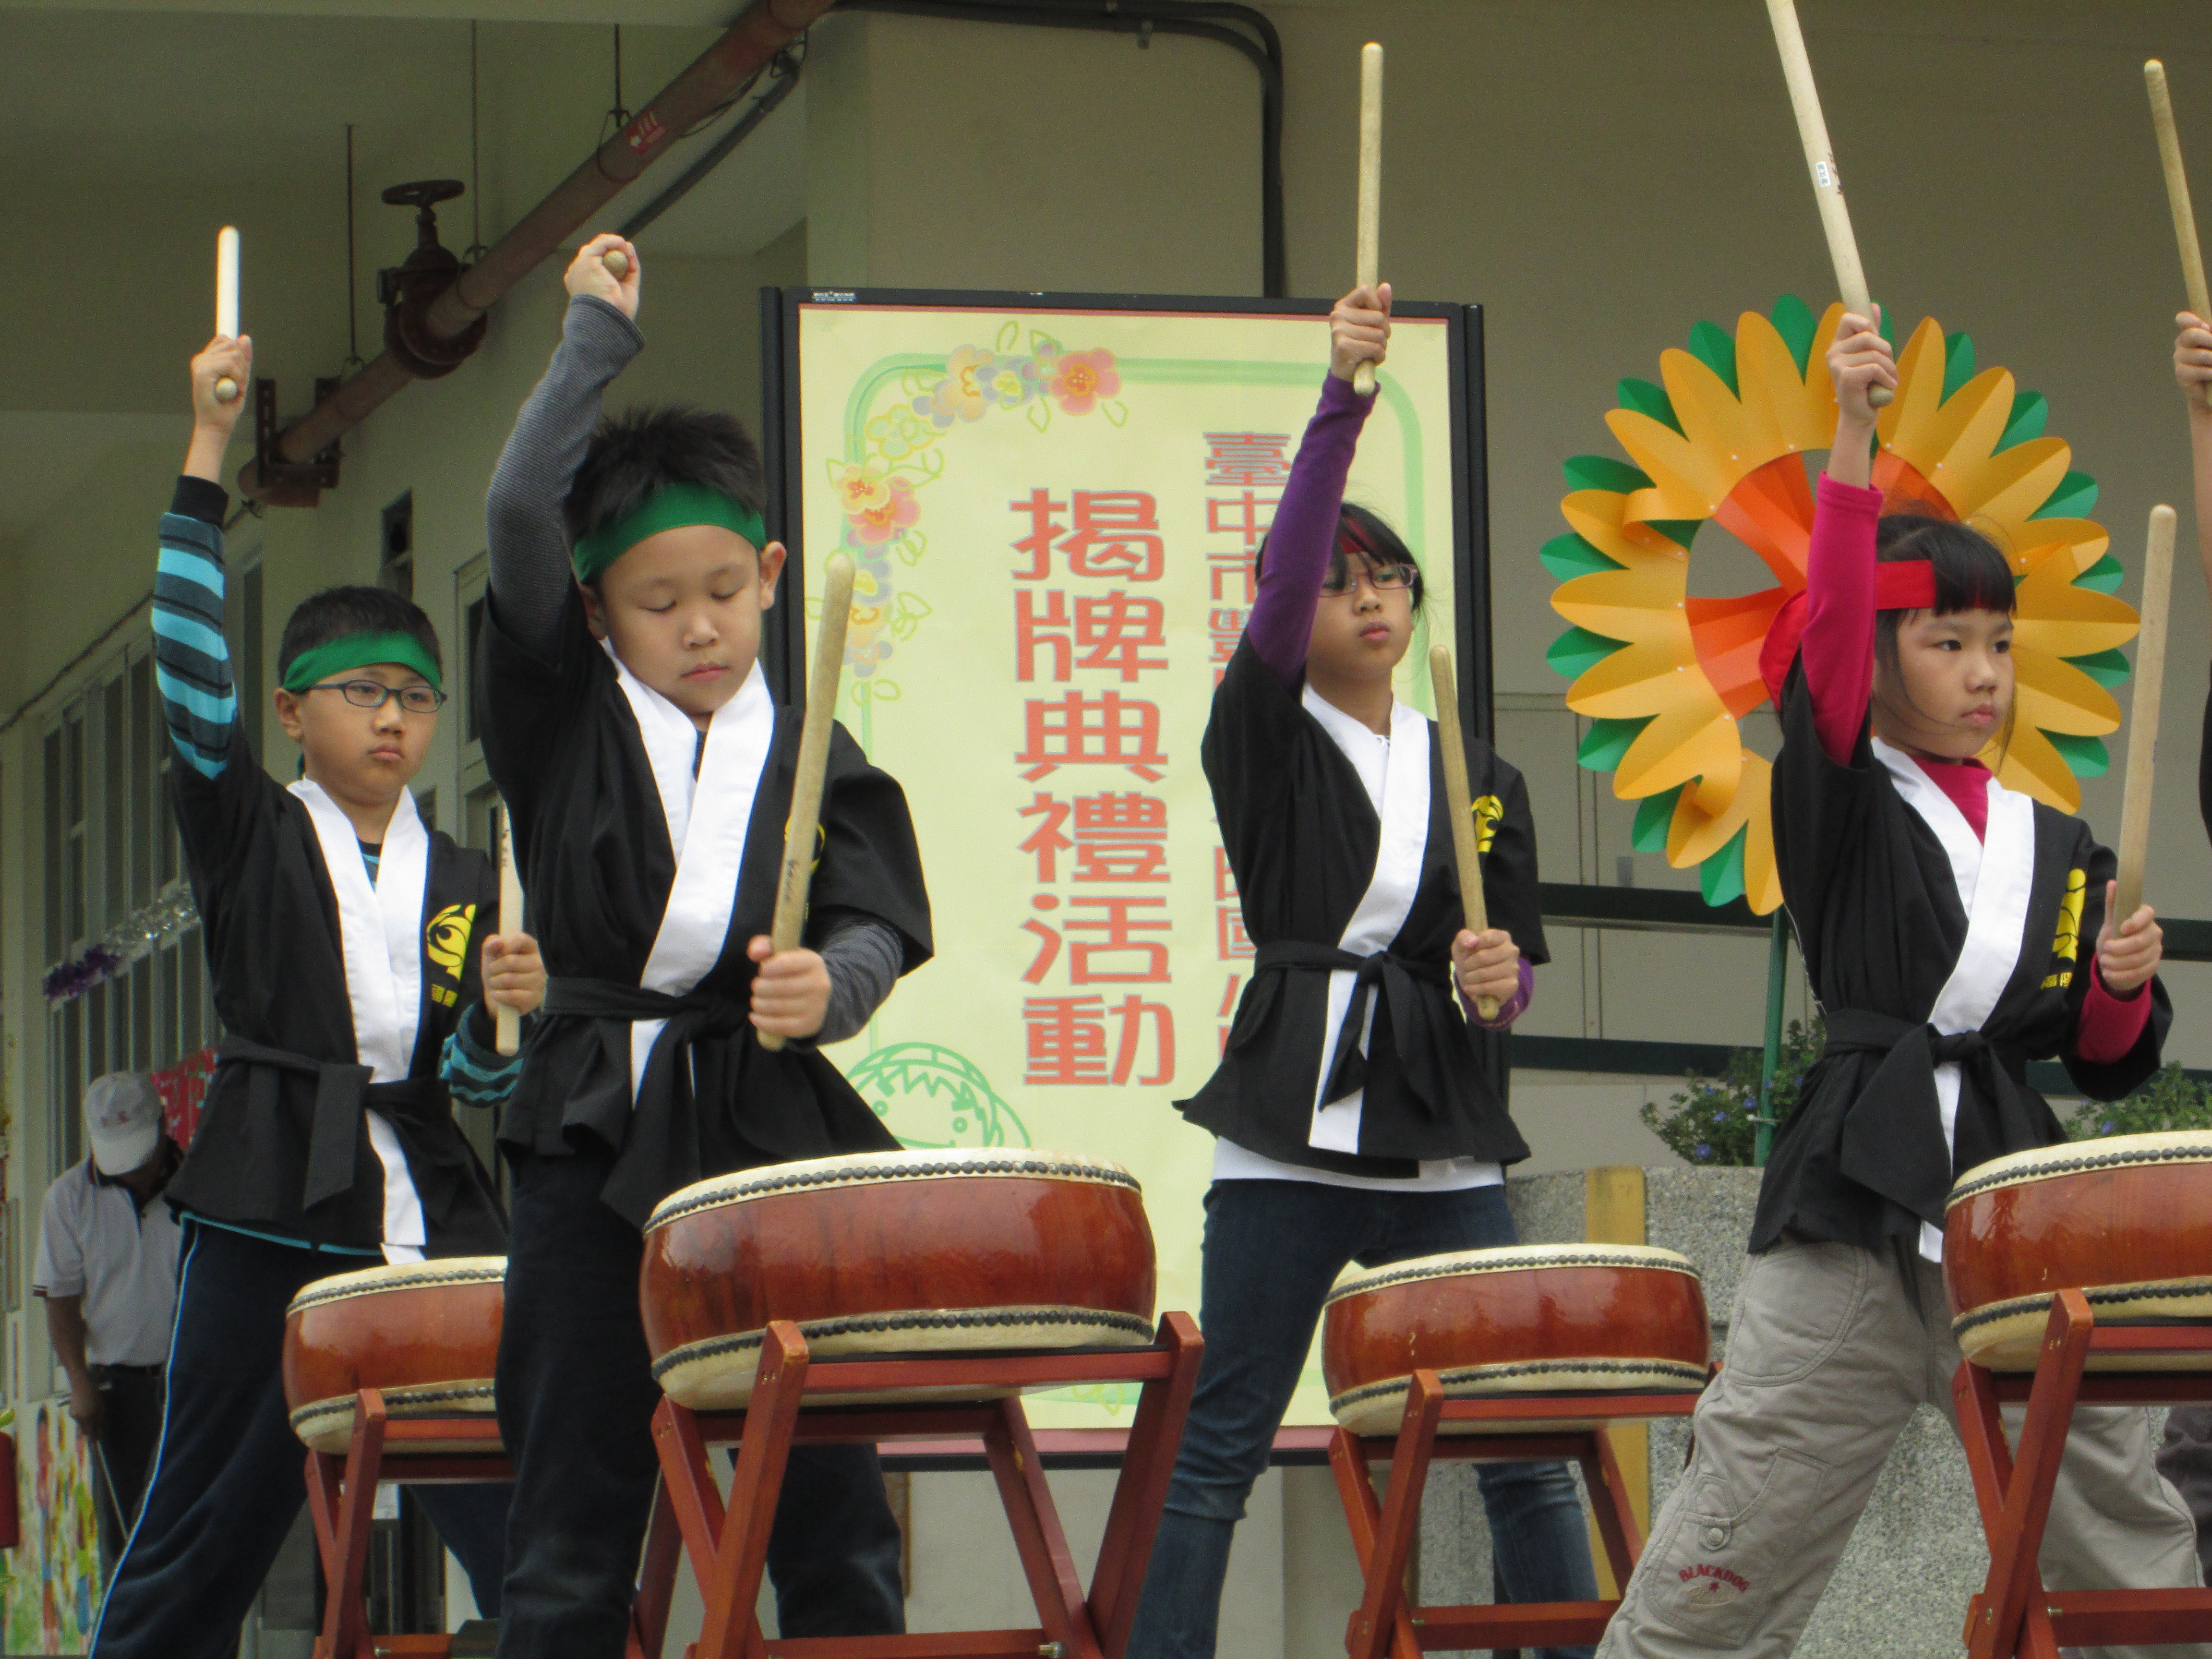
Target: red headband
[[1898, 584]]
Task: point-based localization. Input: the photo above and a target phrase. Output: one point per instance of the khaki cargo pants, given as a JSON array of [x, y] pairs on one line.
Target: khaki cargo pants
[[1830, 1349]]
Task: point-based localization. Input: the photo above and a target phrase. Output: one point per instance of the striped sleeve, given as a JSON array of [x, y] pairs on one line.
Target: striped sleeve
[[473, 1073], [191, 662]]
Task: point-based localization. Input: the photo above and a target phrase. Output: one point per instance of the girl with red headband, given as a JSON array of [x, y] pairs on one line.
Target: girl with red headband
[[1354, 1115], [1942, 918]]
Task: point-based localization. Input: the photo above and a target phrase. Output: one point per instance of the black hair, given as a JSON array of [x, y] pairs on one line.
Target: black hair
[[1971, 573], [1365, 533], [336, 612], [637, 453]]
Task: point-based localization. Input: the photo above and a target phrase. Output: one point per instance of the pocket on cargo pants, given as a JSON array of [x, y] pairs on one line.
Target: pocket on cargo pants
[[1714, 1569]]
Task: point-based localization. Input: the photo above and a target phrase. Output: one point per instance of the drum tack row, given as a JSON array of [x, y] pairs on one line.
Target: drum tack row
[[919, 1295]]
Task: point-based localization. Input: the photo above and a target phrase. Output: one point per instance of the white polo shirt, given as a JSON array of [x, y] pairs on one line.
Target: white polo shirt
[[96, 1242]]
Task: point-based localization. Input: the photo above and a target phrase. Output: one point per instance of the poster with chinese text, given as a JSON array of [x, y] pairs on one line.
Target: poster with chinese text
[[1054, 507]]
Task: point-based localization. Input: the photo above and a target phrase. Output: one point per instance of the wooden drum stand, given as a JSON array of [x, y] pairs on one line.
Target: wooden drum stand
[[2119, 1222], [903, 1295], [1515, 1355]]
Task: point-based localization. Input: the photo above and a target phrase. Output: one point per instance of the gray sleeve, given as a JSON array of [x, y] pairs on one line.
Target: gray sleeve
[[864, 957], [529, 549]]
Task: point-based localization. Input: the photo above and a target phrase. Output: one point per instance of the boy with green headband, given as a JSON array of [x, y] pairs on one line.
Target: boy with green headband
[[627, 721], [352, 953]]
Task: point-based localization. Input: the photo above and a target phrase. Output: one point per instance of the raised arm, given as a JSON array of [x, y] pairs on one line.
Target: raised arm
[[191, 661], [2192, 367], [1839, 574], [529, 549], [1304, 534]]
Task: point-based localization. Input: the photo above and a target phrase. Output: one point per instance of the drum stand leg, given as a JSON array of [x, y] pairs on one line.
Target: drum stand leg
[[1611, 1506], [656, 1581], [1147, 1467], [1046, 1562], [344, 1506], [2010, 1616], [732, 1581], [1383, 1534]]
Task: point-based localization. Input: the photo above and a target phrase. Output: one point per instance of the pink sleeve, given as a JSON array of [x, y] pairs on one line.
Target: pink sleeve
[[1839, 643], [2110, 1025]]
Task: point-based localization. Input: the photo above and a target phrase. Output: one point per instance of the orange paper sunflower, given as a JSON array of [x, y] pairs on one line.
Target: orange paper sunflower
[[1666, 675]]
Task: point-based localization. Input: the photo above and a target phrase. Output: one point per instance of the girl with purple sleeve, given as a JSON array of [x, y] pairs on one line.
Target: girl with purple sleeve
[[1354, 1115]]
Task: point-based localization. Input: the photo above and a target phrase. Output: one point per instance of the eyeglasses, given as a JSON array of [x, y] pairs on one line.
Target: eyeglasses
[[416, 699], [1383, 578]]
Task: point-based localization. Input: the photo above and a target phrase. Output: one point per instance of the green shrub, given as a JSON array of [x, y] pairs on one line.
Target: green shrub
[[2168, 1101], [1714, 1121]]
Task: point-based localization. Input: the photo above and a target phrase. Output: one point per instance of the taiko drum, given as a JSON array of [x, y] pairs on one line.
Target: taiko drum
[[426, 1334], [1531, 1319], [880, 1254], [2121, 1219]]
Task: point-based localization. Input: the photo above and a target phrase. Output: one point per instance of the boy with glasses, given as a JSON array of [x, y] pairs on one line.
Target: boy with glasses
[[353, 953]]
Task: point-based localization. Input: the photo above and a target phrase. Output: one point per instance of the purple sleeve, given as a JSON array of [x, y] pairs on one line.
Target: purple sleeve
[[1513, 1007], [1303, 533]]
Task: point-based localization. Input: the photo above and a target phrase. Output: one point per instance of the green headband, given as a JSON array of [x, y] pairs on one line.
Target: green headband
[[670, 508], [314, 665]]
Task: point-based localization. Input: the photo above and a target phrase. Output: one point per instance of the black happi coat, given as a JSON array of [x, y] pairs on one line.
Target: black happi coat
[[268, 917], [1878, 917], [1302, 838], [563, 745]]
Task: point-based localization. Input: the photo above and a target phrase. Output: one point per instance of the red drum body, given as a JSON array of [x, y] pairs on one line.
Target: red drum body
[[880, 1253], [2121, 1219], [426, 1334], [1530, 1319]]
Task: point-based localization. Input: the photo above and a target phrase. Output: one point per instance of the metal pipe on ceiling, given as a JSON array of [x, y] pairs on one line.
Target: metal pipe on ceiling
[[716, 75]]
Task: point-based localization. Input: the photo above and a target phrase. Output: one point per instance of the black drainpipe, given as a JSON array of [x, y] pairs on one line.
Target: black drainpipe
[[1202, 19]]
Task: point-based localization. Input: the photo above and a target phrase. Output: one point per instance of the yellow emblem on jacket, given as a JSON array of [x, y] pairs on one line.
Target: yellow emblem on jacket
[[1488, 810], [2067, 947], [445, 942]]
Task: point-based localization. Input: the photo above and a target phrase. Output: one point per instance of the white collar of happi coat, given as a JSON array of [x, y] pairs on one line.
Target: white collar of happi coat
[[1996, 878], [380, 926], [708, 817], [1396, 774]]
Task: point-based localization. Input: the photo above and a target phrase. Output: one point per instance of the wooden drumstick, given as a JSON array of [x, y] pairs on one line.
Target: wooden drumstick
[[507, 1037], [1821, 158], [799, 828], [1368, 265], [2177, 195], [226, 302], [2142, 721], [1459, 802]]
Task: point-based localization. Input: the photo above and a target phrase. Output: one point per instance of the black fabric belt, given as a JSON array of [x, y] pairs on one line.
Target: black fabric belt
[[1893, 1139], [689, 1018], [1396, 975], [343, 1091], [102, 1370]]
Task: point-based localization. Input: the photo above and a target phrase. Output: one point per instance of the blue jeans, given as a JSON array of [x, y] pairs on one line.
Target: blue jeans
[[1273, 1250]]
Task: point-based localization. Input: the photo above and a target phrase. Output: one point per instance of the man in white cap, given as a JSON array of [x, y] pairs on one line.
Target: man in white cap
[[108, 1269]]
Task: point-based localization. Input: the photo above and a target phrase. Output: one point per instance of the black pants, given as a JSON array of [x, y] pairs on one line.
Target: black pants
[[129, 1429], [229, 1476], [576, 1399]]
